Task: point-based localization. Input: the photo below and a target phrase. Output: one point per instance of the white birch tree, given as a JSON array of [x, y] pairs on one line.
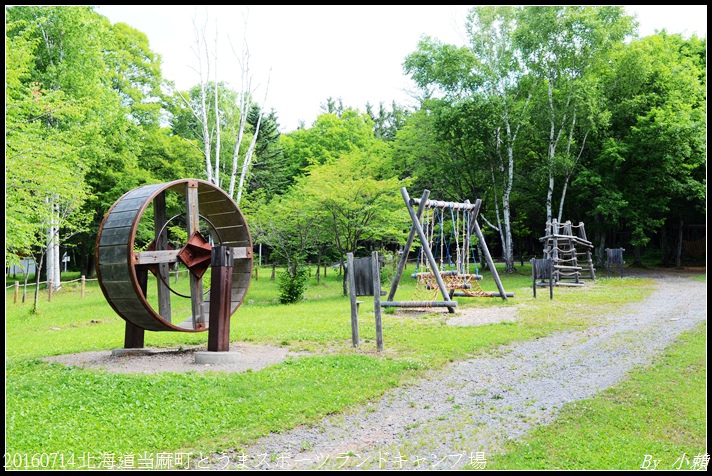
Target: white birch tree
[[207, 68], [490, 30], [562, 45]]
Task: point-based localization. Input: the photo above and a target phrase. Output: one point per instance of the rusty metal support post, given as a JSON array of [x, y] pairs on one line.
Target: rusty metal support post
[[222, 262]]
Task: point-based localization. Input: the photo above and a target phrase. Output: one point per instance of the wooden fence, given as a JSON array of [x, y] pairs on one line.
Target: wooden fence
[[79, 285]]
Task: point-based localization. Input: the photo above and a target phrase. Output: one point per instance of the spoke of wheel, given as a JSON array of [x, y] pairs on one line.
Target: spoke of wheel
[[196, 284]]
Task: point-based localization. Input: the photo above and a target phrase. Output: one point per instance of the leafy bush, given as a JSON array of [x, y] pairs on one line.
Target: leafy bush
[[292, 284]]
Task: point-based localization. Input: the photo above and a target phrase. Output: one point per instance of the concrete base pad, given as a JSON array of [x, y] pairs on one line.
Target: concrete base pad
[[142, 351], [217, 358]]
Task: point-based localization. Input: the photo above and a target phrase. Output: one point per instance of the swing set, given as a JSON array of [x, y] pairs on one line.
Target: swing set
[[439, 226], [445, 227]]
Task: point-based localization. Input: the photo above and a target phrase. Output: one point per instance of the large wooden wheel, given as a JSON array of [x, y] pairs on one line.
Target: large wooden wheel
[[132, 246]]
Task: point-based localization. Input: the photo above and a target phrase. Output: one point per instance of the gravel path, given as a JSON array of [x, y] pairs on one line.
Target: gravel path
[[455, 417]]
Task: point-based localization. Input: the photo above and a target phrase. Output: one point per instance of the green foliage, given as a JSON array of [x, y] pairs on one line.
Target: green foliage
[[387, 123], [45, 130], [269, 174], [329, 137], [651, 164], [356, 202], [292, 284]]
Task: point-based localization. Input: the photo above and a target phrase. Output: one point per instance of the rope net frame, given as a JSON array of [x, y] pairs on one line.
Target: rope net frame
[[446, 224]]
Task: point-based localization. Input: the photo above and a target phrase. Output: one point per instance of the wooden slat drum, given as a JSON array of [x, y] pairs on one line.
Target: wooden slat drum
[[119, 266]]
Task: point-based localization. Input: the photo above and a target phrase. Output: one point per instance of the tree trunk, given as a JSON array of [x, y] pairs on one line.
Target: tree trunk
[[37, 283], [636, 256], [601, 248], [664, 246], [318, 266], [678, 254], [344, 280]]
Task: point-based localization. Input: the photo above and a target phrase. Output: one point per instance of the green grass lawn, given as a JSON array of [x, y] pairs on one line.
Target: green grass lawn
[[54, 409]]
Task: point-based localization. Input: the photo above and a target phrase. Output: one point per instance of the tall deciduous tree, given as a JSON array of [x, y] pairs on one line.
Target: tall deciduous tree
[[354, 202], [210, 130], [45, 129], [292, 233], [652, 162], [102, 86], [486, 72], [562, 46]]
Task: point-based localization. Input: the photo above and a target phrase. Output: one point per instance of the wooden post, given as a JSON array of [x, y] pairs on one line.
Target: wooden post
[[134, 335], [488, 257], [17, 290], [222, 261], [426, 248], [555, 248], [161, 243], [196, 283], [83, 281], [352, 296], [377, 299], [49, 289], [542, 269], [411, 236]]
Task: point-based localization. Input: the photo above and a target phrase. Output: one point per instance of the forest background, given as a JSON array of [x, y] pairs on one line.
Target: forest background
[[557, 112]]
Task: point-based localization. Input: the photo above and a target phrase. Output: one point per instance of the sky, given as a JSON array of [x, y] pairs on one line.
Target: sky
[[302, 55]]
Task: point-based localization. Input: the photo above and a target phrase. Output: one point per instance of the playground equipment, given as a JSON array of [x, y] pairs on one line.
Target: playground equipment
[[433, 277], [566, 251], [217, 237]]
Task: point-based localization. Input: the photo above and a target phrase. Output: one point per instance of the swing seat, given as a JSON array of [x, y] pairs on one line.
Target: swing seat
[[461, 281], [447, 273]]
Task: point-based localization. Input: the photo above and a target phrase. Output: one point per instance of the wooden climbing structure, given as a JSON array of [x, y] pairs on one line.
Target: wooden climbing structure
[[570, 252]]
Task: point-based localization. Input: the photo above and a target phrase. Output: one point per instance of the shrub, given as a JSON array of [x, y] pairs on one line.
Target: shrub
[[292, 284]]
